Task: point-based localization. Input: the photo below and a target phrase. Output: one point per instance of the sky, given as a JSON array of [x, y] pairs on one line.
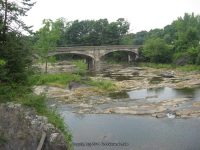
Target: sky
[[141, 14]]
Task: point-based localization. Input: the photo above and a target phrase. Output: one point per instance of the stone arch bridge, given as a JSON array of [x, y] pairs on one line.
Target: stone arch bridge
[[93, 54]]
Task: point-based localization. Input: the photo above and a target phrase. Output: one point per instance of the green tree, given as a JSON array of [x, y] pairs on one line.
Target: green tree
[[140, 38], [127, 39], [96, 32], [14, 50], [47, 38], [157, 51], [184, 37]]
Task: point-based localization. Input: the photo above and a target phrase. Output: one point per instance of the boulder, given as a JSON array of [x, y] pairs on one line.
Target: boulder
[[167, 74]]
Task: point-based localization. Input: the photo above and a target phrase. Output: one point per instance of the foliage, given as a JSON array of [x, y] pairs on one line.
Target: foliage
[[140, 38], [81, 67], [10, 16], [178, 42], [127, 39], [2, 69], [47, 38], [106, 85], [61, 79], [84, 32], [189, 68], [2, 62], [157, 51], [13, 92], [17, 55], [157, 65], [14, 46], [171, 66]]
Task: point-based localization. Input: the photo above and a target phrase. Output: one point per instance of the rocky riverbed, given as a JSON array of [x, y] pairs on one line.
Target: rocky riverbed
[[89, 100]]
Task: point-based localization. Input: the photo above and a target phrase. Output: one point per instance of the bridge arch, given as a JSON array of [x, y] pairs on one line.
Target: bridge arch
[[118, 50], [129, 55], [90, 60]]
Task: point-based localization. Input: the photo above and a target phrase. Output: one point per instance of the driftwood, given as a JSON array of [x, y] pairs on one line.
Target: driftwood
[[42, 141]]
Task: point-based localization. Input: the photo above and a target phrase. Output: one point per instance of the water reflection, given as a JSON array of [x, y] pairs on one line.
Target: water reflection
[[164, 93]]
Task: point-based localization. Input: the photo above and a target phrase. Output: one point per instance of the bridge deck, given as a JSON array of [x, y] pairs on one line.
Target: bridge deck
[[89, 48]]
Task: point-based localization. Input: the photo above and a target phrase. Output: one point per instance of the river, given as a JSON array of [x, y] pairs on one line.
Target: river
[[129, 132], [144, 115]]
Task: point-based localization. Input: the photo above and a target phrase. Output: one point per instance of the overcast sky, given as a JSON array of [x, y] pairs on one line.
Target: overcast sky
[[142, 14]]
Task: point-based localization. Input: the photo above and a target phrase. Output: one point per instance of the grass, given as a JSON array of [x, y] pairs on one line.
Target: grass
[[105, 85], [61, 79], [39, 104], [23, 95], [157, 66], [81, 67], [171, 66], [189, 68]]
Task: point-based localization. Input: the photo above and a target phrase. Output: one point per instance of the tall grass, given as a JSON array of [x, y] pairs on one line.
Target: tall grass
[[60, 79], [105, 85], [81, 67]]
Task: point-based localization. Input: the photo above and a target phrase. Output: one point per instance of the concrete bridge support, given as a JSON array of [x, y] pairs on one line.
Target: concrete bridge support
[[97, 65], [93, 65], [131, 57]]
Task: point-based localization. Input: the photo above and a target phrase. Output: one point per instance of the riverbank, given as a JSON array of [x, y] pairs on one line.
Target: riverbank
[[23, 111], [21, 128]]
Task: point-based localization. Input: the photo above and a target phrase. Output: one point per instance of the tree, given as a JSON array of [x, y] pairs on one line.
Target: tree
[[10, 12], [157, 51], [14, 50], [140, 38], [183, 36], [47, 38], [96, 32], [127, 39]]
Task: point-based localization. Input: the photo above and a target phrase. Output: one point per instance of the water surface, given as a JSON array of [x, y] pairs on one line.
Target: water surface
[[129, 132], [132, 132], [165, 93]]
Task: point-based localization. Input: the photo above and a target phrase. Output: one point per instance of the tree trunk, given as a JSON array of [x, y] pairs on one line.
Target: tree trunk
[[46, 66], [5, 20]]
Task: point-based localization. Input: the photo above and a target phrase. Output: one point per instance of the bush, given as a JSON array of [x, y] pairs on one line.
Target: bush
[[81, 67]]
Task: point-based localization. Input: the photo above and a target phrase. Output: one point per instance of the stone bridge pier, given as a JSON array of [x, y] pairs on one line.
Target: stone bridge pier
[[94, 54]]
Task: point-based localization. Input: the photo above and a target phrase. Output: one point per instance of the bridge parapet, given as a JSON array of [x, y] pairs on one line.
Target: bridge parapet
[[89, 48]]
